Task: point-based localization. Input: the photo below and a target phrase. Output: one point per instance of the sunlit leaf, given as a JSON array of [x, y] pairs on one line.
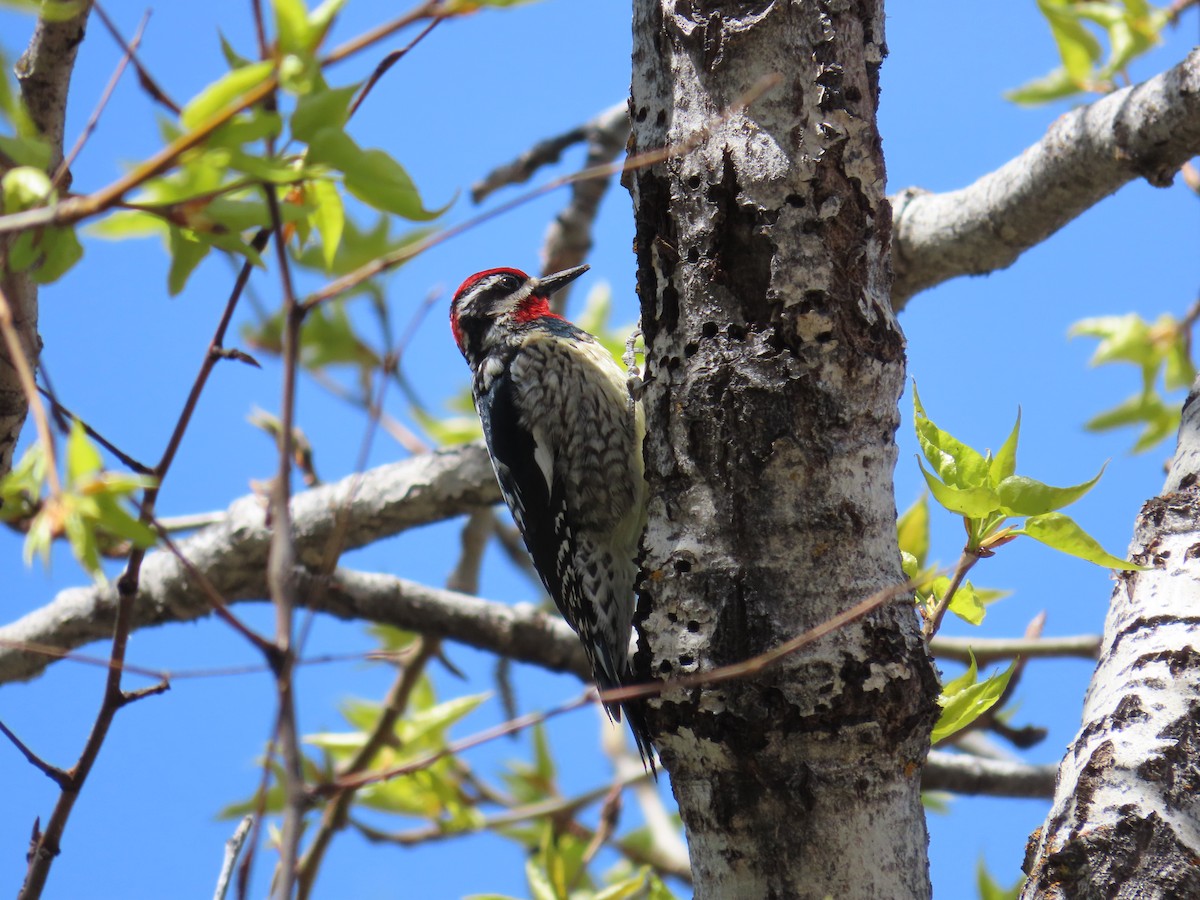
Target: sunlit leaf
[[975, 503], [912, 530], [964, 700], [957, 464], [1062, 533], [223, 92], [1022, 496]]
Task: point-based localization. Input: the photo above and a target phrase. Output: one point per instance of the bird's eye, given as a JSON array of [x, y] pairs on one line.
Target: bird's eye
[[510, 282]]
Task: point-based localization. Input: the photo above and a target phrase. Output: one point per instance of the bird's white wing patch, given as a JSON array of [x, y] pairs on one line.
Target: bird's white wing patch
[[543, 457]]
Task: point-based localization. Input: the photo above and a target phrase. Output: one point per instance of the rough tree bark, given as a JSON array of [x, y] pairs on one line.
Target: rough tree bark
[[1126, 816], [44, 74], [774, 366]]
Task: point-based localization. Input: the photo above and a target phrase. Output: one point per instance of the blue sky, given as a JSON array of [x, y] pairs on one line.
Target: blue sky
[[474, 95]]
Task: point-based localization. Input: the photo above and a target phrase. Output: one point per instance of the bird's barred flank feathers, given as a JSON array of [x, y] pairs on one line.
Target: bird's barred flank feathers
[[566, 445]]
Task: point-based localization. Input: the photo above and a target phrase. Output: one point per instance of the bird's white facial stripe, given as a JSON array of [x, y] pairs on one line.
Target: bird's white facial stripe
[[478, 302]]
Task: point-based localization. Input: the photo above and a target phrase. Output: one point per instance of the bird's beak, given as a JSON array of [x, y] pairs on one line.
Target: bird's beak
[[548, 284]]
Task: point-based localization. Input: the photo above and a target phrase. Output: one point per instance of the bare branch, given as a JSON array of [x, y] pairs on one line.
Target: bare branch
[[989, 650], [961, 773], [1145, 131], [232, 554]]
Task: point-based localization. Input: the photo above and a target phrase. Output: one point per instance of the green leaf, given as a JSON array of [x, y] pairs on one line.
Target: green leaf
[[114, 520], [966, 604], [370, 175], [1123, 338], [956, 463], [233, 59], [186, 253], [912, 531], [81, 535], [1062, 533], [1054, 86], [633, 886], [963, 700], [60, 251], [321, 109], [1004, 463], [83, 459], [30, 151], [539, 882], [223, 92], [990, 889], [328, 217], [291, 25], [127, 223], [1022, 496], [974, 503], [1076, 45]]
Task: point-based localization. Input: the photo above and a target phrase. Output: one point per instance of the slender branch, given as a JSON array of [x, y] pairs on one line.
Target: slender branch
[[149, 85], [988, 650], [934, 621], [961, 773], [334, 817], [1145, 131], [233, 847], [61, 174], [125, 458], [281, 574], [232, 554], [381, 264], [55, 774]]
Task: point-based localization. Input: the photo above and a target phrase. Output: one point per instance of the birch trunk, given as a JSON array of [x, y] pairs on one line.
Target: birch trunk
[[774, 367], [1126, 816]]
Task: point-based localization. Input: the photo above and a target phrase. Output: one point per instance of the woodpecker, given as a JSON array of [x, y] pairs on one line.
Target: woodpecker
[[565, 439]]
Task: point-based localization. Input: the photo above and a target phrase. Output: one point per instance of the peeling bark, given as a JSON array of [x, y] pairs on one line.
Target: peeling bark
[[774, 366], [1126, 816]]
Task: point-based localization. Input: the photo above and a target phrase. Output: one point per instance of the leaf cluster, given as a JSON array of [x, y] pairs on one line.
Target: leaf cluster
[[1130, 28], [1162, 353]]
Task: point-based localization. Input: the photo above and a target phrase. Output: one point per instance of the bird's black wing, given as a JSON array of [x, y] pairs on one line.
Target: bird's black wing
[[538, 505]]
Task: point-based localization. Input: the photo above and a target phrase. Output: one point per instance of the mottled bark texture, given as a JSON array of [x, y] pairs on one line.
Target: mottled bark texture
[[1126, 816], [774, 366], [44, 74]]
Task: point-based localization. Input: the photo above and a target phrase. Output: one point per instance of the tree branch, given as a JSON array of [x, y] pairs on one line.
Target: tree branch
[[961, 773], [232, 554], [1145, 131]]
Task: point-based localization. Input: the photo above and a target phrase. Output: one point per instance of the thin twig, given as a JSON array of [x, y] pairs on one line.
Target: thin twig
[[381, 264], [233, 847], [281, 562], [55, 774], [76, 208], [988, 650], [149, 85], [934, 621], [334, 817], [386, 63], [65, 166], [91, 432]]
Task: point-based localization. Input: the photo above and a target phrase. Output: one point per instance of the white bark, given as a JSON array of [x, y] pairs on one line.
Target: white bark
[[1145, 131], [1126, 816], [327, 521]]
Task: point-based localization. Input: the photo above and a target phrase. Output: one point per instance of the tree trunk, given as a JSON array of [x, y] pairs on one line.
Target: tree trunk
[[774, 367], [1126, 816]]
